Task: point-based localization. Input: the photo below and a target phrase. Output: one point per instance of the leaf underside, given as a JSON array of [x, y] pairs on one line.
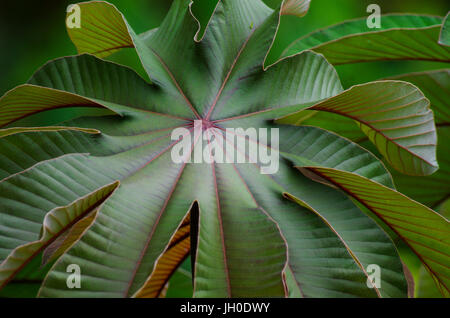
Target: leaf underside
[[252, 240]]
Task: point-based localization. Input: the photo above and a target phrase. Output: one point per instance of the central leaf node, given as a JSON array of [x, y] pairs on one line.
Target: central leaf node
[[206, 124]]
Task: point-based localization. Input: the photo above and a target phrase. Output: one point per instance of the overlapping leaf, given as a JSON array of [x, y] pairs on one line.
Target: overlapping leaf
[[432, 190], [426, 285], [251, 240], [68, 238], [176, 252], [27, 100], [413, 37], [311, 277], [395, 116], [55, 223], [406, 217]]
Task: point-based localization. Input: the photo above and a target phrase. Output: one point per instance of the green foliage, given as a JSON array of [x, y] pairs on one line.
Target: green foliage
[[86, 175]]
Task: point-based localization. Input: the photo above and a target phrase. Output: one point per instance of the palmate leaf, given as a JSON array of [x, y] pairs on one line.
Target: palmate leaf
[[395, 116], [413, 37], [65, 65], [251, 240]]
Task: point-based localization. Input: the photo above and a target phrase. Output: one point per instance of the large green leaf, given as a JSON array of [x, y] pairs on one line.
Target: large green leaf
[[95, 37], [56, 222], [395, 116], [406, 217], [26, 100], [161, 60], [252, 239], [311, 277], [434, 189], [412, 37]]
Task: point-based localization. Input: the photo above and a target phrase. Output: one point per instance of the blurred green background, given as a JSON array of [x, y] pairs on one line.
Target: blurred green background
[[33, 32]]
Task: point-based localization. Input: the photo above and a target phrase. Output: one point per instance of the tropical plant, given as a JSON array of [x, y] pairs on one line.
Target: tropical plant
[[86, 175]]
